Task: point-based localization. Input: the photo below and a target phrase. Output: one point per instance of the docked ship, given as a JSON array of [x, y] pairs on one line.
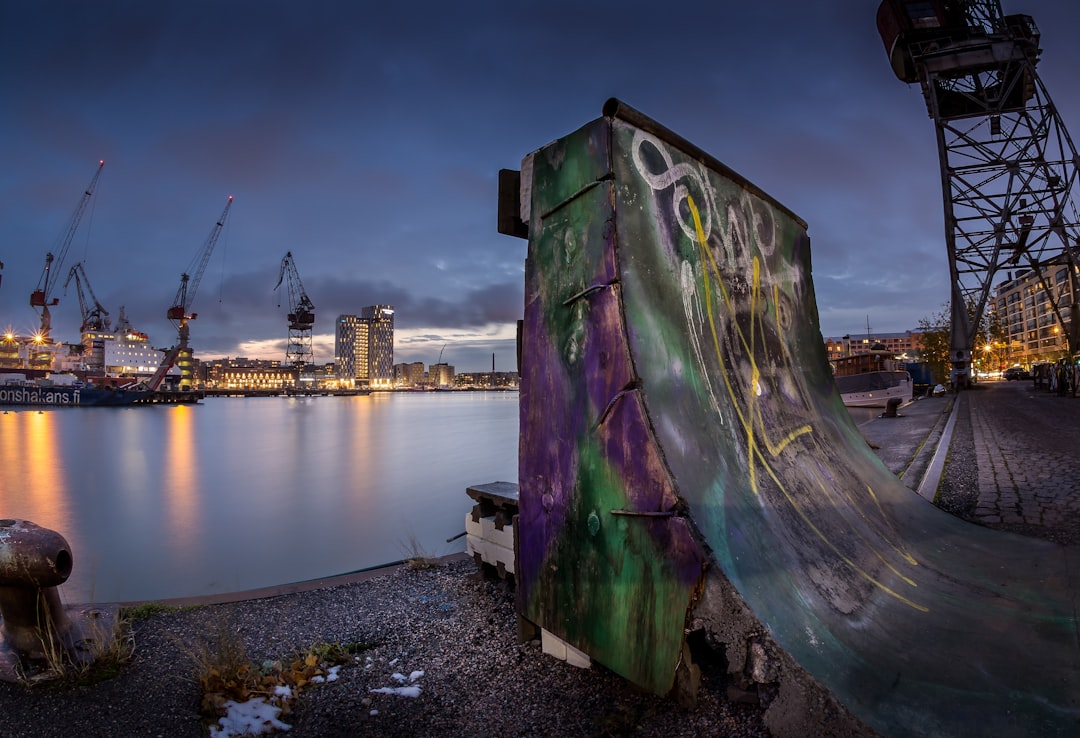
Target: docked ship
[[64, 390], [872, 379]]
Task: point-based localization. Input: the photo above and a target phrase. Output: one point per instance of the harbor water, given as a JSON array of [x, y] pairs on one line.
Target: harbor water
[[234, 494]]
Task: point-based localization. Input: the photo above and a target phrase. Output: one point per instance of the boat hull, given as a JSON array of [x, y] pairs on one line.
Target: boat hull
[[875, 389], [63, 396]]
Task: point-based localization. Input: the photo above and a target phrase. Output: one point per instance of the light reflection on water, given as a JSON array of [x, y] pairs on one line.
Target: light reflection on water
[[234, 494]]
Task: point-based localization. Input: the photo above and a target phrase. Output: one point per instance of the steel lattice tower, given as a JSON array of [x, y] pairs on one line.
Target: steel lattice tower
[[1008, 165], [299, 353]]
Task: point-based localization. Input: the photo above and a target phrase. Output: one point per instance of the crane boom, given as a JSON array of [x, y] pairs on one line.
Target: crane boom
[[93, 318], [185, 295], [42, 296], [181, 354]]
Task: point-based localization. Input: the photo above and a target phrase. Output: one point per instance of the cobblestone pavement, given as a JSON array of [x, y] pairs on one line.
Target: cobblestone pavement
[[1027, 452]]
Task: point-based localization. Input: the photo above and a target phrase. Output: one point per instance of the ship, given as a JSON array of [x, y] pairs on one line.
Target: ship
[[65, 390], [871, 379]]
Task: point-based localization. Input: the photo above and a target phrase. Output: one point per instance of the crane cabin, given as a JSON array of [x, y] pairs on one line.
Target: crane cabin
[[950, 41]]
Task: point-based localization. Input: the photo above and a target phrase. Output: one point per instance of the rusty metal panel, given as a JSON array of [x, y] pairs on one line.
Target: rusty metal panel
[[591, 568]]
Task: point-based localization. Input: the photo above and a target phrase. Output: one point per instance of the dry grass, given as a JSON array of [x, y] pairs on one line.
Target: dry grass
[[224, 672], [105, 646], [416, 557]]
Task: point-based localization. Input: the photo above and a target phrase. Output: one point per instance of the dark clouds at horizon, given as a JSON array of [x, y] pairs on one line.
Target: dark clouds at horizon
[[367, 142]]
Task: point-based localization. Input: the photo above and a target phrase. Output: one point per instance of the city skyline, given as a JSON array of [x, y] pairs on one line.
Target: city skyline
[[370, 148]]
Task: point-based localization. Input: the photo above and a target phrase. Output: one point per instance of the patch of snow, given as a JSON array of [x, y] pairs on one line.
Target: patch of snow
[[253, 717], [413, 691], [331, 675]]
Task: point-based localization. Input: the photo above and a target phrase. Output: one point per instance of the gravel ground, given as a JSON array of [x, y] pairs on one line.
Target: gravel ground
[[452, 622]]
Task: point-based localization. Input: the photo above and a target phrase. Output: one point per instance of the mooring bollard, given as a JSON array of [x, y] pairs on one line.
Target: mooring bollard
[[34, 561], [891, 407]]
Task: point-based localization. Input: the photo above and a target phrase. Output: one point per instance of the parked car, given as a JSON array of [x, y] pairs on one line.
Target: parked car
[[1016, 372]]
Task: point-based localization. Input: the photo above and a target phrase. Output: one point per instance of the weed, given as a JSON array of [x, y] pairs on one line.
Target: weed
[[149, 609], [97, 649], [224, 672], [416, 557]]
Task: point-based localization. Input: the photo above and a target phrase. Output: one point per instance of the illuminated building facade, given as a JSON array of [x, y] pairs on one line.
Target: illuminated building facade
[[410, 375], [364, 347], [1031, 330], [908, 343], [380, 344], [252, 374], [350, 350], [441, 375]]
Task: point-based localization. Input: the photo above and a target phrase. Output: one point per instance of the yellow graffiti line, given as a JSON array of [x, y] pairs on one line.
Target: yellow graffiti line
[[825, 539], [706, 258], [888, 522], [852, 504], [755, 326], [745, 419], [747, 423], [857, 505], [754, 411]]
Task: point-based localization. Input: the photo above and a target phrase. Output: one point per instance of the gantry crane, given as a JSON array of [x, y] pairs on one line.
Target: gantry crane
[[95, 318], [298, 352], [1008, 165], [179, 314], [41, 298]]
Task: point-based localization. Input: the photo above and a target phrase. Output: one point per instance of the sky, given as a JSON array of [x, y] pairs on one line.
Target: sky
[[366, 140]]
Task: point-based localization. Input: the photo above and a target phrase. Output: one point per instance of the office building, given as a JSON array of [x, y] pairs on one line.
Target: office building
[[364, 347], [380, 345]]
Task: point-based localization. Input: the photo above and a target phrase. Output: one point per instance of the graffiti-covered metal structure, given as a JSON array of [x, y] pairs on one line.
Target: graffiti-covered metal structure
[[687, 469]]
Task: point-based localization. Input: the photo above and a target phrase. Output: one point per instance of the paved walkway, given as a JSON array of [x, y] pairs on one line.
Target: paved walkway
[[1027, 449]]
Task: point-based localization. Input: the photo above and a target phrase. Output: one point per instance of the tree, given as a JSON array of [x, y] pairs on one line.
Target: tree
[[935, 343]]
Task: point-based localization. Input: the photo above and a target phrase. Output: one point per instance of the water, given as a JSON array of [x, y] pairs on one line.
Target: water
[[234, 494]]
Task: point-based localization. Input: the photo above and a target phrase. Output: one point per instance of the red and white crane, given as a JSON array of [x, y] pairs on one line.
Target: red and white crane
[[180, 312], [41, 298]]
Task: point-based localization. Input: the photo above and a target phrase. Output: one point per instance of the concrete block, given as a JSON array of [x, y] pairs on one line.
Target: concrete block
[[552, 645], [495, 546], [560, 649], [577, 658]]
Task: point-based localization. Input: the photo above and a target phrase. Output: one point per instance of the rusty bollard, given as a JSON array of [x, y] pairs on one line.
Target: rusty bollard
[[36, 628]]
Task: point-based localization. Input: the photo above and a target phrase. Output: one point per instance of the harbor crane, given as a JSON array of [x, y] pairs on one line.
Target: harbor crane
[[180, 313], [298, 352], [1008, 165], [95, 318], [41, 298]]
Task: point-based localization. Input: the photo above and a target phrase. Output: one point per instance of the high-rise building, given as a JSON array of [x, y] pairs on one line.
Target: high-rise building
[[364, 346], [1030, 329], [380, 344], [345, 345]]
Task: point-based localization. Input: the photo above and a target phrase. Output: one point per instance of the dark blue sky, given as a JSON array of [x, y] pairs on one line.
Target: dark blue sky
[[367, 140]]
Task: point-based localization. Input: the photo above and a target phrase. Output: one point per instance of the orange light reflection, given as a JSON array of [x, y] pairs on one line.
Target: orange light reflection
[[35, 487], [181, 499]]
